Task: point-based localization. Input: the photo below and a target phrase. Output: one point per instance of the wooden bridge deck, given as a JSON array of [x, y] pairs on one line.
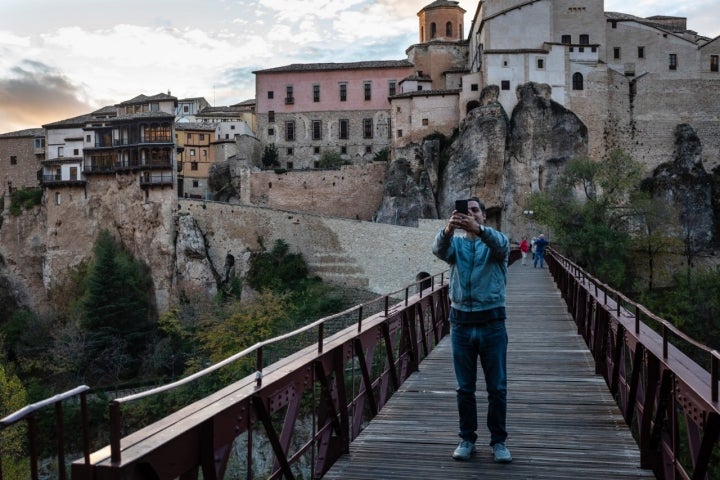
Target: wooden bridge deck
[[562, 421]]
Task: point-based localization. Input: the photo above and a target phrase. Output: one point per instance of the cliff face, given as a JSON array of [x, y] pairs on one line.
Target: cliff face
[[499, 159], [685, 185]]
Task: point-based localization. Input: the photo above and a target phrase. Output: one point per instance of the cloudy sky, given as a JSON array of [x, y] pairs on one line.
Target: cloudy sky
[[62, 58]]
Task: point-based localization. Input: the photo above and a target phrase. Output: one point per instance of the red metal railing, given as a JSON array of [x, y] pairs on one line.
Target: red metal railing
[[338, 383], [28, 415], [669, 400]]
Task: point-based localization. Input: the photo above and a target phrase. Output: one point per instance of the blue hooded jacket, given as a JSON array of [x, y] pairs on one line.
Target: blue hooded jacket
[[478, 268]]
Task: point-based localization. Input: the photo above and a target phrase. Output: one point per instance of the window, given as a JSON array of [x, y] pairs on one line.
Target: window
[[317, 129], [367, 128], [271, 116], [192, 152], [290, 131], [271, 132], [641, 52], [448, 29], [316, 164], [88, 138], [316, 93], [584, 39], [186, 108], [13, 160], [316, 150], [368, 148], [343, 92], [202, 137], [343, 150], [344, 129], [40, 142], [289, 99], [540, 63], [577, 81], [474, 87], [271, 94], [289, 165], [565, 39], [419, 88], [204, 152], [433, 30], [399, 133], [57, 198], [672, 60], [367, 87], [189, 137], [76, 152], [232, 127], [505, 85], [196, 183], [392, 87], [714, 63], [425, 122], [616, 53], [61, 152]]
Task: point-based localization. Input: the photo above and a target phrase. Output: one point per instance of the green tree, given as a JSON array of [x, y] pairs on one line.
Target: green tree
[[276, 270], [270, 156], [242, 325], [118, 312], [330, 159], [12, 398], [588, 212]]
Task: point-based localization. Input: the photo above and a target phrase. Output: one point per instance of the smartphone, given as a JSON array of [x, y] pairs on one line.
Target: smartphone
[[461, 206]]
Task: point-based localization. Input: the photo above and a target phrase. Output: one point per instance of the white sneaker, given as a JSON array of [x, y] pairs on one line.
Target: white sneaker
[[501, 454], [464, 450]]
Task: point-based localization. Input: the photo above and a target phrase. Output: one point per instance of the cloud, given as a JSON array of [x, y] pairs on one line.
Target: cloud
[[34, 94]]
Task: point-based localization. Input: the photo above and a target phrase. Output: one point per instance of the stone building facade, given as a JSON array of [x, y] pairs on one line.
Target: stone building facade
[[20, 155], [308, 109]]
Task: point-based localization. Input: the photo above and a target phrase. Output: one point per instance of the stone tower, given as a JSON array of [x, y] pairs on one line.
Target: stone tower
[[441, 20]]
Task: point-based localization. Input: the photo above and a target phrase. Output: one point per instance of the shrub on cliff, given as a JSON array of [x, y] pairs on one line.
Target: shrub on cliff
[[25, 198]]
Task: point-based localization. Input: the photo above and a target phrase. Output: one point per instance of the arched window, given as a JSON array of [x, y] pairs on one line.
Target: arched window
[[448, 29], [433, 30], [577, 81]]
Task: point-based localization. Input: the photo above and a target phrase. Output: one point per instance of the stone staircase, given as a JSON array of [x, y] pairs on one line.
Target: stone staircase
[[338, 268]]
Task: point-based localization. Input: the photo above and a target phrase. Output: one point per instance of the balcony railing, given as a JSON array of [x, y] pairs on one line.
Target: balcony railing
[[148, 179], [161, 163]]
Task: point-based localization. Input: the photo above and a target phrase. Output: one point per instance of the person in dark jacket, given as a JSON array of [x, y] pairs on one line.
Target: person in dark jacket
[[540, 244], [478, 275]]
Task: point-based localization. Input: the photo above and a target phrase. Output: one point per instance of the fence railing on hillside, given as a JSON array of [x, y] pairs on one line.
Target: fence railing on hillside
[[667, 398], [352, 364]]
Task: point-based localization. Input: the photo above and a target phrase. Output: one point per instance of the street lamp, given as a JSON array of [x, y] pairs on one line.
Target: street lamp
[[530, 214]]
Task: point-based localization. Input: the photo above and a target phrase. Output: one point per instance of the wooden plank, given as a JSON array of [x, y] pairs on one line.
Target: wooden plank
[[562, 420]]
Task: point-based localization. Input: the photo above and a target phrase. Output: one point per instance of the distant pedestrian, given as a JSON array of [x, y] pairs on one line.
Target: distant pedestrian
[[540, 245], [524, 249]]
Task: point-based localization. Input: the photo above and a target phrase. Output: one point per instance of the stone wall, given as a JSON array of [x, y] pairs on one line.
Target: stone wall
[[352, 191], [378, 257], [645, 127]]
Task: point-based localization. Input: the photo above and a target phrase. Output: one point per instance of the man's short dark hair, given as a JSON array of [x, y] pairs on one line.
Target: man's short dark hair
[[476, 199]]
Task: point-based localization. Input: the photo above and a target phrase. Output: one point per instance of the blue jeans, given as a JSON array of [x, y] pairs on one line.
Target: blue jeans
[[541, 257], [489, 342]]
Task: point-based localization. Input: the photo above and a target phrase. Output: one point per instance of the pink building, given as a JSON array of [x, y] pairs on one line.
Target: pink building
[[308, 109]]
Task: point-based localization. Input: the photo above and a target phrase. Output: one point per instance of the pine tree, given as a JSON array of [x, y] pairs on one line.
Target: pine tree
[[117, 310]]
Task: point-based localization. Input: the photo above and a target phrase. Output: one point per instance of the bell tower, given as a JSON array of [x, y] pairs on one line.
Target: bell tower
[[442, 20]]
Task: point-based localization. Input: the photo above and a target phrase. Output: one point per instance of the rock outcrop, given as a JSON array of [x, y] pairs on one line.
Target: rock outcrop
[[687, 187], [500, 159]]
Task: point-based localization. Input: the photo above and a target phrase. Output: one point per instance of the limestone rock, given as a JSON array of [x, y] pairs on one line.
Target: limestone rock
[[686, 185], [193, 265]]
